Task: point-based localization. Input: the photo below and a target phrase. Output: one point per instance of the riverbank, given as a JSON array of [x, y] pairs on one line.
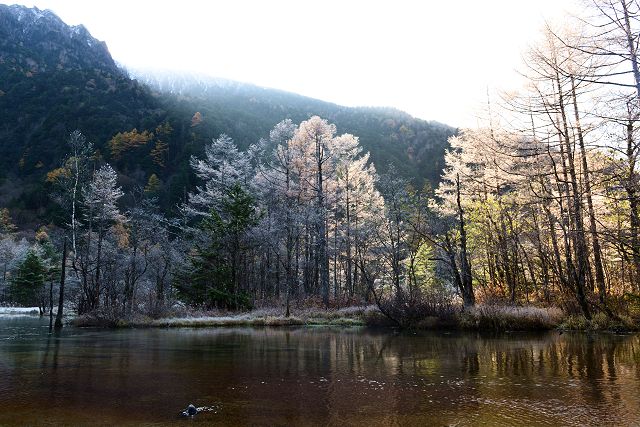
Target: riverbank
[[348, 316], [19, 311], [479, 318]]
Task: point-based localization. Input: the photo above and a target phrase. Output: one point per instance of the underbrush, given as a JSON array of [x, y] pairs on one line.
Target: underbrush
[[599, 322], [481, 317], [425, 314], [424, 310], [348, 316]]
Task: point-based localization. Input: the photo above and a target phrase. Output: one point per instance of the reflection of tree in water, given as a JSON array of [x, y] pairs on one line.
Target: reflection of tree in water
[[325, 376]]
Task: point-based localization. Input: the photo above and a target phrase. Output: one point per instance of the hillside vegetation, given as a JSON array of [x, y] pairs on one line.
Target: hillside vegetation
[[55, 79]]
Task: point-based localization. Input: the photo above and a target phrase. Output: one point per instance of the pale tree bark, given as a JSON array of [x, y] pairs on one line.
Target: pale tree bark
[[597, 251]]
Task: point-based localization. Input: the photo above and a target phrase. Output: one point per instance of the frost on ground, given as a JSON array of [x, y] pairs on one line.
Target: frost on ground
[[351, 316], [19, 311]]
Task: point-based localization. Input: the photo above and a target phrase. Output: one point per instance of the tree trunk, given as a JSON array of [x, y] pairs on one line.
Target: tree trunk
[[322, 256], [597, 252], [58, 323], [578, 235], [465, 266], [631, 45], [634, 219]]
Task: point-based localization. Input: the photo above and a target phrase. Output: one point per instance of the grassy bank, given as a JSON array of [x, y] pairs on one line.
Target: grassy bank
[[348, 316], [481, 318], [510, 318], [494, 317]]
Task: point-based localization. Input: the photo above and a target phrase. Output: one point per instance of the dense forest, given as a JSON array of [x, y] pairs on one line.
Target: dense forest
[[539, 208], [55, 79]]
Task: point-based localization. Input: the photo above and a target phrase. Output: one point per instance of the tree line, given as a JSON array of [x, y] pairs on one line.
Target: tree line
[[540, 206], [549, 185]]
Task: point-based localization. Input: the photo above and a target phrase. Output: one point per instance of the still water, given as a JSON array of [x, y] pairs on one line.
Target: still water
[[314, 376]]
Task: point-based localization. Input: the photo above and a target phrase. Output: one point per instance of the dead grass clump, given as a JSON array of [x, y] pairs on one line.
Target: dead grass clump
[[510, 318]]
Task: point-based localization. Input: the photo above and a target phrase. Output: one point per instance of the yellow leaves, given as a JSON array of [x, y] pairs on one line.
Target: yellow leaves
[[6, 224], [56, 174], [163, 129], [125, 141], [406, 132], [153, 184], [158, 153], [161, 148], [122, 234], [42, 235]]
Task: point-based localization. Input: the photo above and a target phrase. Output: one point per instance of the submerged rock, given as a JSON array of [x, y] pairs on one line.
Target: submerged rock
[[190, 411]]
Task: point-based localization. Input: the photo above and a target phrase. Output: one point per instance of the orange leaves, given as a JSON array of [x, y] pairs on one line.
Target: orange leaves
[[158, 153], [55, 174], [196, 119]]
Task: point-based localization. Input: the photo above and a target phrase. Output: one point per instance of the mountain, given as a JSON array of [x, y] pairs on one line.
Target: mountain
[[248, 112], [55, 78]]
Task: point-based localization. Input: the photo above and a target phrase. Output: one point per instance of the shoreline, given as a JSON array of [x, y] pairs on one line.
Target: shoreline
[[480, 318]]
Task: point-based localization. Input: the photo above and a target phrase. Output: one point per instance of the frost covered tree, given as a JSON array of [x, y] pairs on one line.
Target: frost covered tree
[[68, 181], [99, 202], [12, 252], [222, 167], [304, 197], [314, 138]]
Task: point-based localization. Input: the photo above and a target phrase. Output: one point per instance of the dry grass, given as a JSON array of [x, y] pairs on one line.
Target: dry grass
[[19, 311], [484, 317], [510, 318], [349, 316], [481, 317]]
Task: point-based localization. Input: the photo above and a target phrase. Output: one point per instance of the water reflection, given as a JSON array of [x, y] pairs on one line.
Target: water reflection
[[315, 376]]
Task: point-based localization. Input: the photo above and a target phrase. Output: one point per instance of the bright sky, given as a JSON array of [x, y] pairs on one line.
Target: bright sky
[[433, 59]]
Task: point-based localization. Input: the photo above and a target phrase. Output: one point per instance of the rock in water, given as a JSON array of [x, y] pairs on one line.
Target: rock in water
[[190, 411]]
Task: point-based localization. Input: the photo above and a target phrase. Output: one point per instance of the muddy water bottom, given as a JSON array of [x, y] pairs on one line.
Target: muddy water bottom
[[314, 376]]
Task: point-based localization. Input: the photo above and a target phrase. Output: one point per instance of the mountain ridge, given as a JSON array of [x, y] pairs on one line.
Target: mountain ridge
[[55, 78], [166, 80]]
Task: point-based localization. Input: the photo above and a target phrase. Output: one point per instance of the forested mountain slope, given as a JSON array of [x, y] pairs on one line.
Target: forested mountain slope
[[56, 78]]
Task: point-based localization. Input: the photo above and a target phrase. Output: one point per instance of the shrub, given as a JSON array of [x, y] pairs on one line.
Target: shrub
[[632, 303], [575, 322], [599, 322], [413, 312], [375, 318]]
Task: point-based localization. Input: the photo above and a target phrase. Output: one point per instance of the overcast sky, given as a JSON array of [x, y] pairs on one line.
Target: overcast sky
[[432, 59]]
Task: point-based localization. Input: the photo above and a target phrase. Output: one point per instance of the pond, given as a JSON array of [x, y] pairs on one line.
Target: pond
[[314, 376]]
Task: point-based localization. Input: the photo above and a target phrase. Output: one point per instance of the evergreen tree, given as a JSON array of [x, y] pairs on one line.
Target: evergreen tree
[[29, 280], [6, 224], [154, 185], [214, 275]]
